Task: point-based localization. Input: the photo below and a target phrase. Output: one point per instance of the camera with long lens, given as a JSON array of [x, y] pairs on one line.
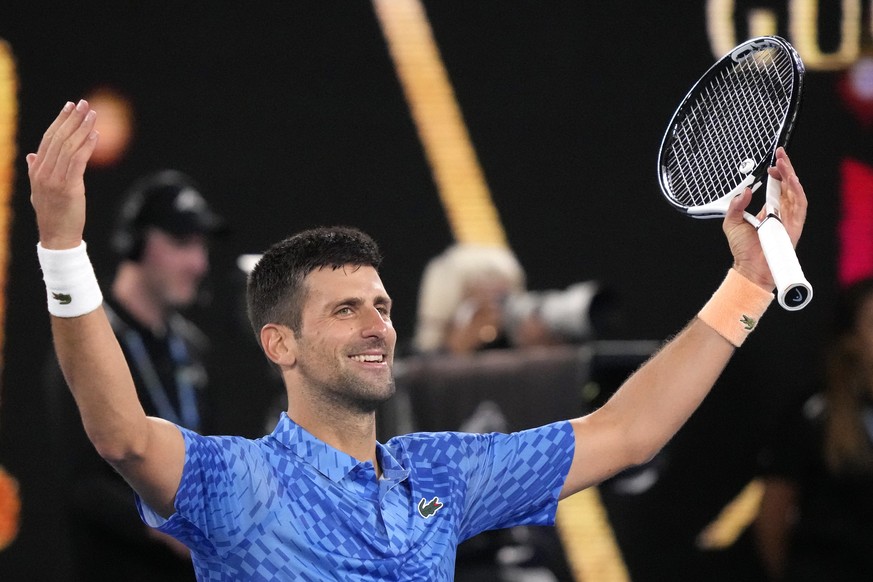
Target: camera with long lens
[[581, 312]]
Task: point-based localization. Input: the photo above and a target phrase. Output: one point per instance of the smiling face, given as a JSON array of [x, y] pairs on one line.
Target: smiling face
[[345, 348]]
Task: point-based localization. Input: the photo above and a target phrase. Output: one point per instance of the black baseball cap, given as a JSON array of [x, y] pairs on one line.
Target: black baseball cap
[[170, 201]]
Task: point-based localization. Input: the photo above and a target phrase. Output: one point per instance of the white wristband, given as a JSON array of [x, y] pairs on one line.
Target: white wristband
[[71, 285]]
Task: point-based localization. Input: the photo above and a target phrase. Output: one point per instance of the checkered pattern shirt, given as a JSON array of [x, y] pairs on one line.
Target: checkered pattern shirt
[[290, 507]]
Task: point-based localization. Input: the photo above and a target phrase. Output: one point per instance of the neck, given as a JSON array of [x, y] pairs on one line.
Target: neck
[[130, 290], [351, 433]]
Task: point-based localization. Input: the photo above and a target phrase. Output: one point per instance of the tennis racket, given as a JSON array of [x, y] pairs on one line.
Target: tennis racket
[[724, 136]]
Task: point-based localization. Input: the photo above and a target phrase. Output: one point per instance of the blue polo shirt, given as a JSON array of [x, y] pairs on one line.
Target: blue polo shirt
[[290, 507]]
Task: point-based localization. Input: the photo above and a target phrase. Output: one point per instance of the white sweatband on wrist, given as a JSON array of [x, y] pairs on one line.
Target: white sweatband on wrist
[[735, 308], [71, 285]]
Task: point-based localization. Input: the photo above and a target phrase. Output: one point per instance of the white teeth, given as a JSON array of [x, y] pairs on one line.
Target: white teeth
[[367, 358]]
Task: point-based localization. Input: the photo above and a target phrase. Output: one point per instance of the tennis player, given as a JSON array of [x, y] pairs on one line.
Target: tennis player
[[320, 498]]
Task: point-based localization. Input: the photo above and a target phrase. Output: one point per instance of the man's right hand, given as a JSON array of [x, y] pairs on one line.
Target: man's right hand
[[56, 171], [745, 245]]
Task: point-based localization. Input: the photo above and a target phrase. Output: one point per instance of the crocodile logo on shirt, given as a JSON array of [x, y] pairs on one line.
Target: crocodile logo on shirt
[[62, 298], [428, 508]]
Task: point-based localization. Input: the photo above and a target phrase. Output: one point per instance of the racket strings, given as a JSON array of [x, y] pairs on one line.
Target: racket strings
[[736, 117]]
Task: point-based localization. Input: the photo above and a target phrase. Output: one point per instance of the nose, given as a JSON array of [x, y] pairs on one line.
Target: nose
[[375, 323]]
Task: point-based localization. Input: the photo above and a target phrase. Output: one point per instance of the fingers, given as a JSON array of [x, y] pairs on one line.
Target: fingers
[[66, 145], [783, 164], [49, 135], [57, 172], [781, 167], [738, 205], [794, 202], [783, 170], [86, 138]]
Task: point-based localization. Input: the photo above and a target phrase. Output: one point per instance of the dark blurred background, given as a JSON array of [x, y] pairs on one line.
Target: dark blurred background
[[290, 114]]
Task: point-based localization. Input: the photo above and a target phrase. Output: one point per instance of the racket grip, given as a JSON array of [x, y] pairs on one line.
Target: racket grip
[[793, 291]]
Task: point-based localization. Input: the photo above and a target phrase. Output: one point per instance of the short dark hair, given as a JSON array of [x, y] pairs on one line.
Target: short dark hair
[[275, 292]]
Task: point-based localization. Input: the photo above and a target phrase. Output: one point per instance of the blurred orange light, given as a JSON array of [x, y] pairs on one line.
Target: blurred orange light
[[114, 122]]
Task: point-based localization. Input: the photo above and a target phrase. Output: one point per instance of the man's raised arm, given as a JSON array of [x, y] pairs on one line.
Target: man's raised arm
[[148, 452], [651, 406]]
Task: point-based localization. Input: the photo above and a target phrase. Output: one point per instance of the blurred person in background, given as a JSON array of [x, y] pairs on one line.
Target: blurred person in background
[[816, 517], [461, 297], [474, 297], [162, 242]]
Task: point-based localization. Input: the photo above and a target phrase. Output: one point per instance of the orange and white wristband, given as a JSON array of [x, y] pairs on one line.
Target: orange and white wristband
[[71, 285], [735, 308]]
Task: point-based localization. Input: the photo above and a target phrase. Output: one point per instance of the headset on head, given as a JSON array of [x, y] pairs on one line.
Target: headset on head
[[128, 238]]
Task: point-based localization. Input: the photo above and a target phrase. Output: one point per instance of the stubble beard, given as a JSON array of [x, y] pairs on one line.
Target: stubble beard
[[344, 391]]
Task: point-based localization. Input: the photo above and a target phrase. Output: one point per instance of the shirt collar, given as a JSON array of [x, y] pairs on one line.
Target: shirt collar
[[330, 462]]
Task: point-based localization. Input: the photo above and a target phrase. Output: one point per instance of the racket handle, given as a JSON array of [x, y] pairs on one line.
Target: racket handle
[[793, 291]]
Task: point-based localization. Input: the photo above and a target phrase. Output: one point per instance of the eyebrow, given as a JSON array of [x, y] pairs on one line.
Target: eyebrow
[[357, 301]]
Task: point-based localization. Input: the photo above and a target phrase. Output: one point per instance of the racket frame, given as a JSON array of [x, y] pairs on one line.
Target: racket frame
[[793, 290]]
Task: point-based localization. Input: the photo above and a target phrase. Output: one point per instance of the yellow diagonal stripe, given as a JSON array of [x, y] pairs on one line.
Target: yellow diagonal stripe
[[455, 167], [584, 528], [586, 535], [733, 519]]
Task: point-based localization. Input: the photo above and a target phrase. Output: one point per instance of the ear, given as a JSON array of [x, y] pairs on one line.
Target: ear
[[279, 344]]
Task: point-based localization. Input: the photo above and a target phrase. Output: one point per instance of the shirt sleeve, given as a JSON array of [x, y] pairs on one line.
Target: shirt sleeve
[[216, 487], [515, 479]]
